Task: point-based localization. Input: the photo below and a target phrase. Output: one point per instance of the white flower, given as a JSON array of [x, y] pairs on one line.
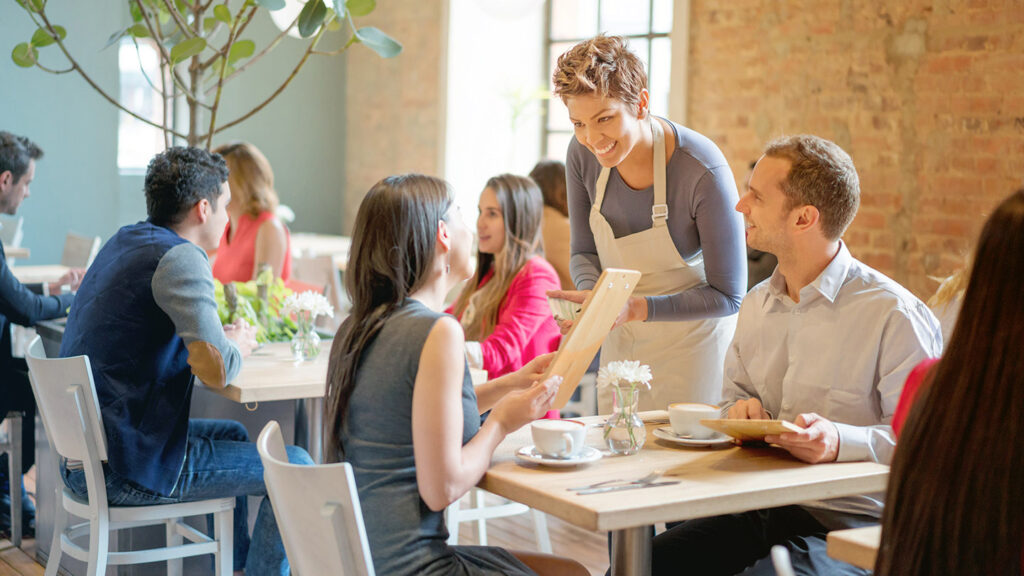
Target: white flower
[[624, 371], [308, 301]]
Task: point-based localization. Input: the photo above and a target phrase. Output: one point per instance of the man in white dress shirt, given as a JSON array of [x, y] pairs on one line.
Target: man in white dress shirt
[[826, 343]]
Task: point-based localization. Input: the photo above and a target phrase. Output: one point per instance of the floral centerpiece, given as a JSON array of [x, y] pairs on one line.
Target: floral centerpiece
[[306, 307], [259, 302], [624, 431]]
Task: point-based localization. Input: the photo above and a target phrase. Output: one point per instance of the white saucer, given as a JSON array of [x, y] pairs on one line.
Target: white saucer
[[586, 454], [666, 433]]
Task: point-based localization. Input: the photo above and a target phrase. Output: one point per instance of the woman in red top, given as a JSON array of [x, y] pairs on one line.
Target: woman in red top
[[503, 308], [254, 236], [955, 503]]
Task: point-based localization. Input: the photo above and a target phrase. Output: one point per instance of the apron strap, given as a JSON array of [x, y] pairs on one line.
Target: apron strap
[[602, 183], [659, 211]]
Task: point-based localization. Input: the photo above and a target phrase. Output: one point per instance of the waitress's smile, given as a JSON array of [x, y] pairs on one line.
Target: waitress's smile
[[606, 126]]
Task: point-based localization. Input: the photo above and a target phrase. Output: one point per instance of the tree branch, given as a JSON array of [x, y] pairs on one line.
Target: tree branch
[[309, 50], [149, 81], [158, 37], [262, 53], [236, 29], [96, 87], [169, 4]]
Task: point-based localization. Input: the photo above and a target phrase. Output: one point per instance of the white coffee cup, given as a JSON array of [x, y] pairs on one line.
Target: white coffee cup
[[558, 438], [686, 416]]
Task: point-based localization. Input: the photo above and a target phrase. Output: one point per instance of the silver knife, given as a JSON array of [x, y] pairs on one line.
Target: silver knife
[[625, 487]]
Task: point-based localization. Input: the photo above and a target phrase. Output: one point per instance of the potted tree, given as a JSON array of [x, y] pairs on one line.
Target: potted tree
[[202, 47]]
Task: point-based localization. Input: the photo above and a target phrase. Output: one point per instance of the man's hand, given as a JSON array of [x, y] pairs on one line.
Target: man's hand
[[72, 279], [818, 442], [243, 335], [748, 409]]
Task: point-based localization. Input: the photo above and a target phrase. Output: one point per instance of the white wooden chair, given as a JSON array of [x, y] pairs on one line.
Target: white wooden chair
[[67, 402], [79, 251], [317, 510], [481, 512], [12, 446]]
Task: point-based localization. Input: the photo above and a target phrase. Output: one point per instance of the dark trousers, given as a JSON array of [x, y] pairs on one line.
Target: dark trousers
[[741, 544], [16, 396]]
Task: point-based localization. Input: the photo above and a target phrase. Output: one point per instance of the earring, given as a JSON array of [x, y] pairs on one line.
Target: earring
[[447, 263]]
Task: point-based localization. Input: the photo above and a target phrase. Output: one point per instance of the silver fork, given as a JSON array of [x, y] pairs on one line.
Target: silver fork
[[646, 479]]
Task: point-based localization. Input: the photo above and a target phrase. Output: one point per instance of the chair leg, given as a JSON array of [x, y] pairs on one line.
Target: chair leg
[[540, 529], [174, 565], [452, 519], [60, 523], [481, 524], [224, 533], [99, 545], [14, 476]]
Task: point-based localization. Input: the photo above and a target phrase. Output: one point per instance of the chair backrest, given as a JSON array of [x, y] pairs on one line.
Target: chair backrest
[[67, 401], [317, 510], [320, 271], [11, 230], [79, 251]]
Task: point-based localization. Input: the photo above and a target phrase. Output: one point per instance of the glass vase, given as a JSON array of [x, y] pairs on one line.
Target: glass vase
[[624, 431], [305, 342]]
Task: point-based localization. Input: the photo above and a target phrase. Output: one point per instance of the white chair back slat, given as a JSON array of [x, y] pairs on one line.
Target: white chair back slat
[[317, 510], [65, 413]]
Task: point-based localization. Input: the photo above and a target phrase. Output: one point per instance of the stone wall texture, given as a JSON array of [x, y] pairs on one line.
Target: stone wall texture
[[926, 96]]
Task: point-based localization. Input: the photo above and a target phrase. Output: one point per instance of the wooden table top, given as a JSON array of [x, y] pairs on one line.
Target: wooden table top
[[39, 274], [271, 373], [713, 481], [857, 546], [17, 252]]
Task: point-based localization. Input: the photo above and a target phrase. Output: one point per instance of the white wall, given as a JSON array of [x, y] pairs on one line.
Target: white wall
[[495, 60]]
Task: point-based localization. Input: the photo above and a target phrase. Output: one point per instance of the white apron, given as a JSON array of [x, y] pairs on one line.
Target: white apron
[[686, 358]]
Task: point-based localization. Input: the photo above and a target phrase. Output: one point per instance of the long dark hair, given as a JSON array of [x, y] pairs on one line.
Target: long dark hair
[[550, 177], [391, 255], [522, 208], [956, 488]]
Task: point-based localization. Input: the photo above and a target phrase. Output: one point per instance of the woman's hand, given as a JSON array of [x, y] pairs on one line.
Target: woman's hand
[[531, 372], [521, 407], [635, 310], [577, 296]]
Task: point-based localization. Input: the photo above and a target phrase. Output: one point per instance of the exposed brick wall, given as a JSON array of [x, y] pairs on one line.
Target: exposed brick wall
[[395, 107], [926, 96]]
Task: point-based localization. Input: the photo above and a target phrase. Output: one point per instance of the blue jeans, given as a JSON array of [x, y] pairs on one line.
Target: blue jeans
[[220, 461]]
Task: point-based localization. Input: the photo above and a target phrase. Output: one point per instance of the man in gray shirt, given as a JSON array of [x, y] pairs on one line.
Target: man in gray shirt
[[826, 343]]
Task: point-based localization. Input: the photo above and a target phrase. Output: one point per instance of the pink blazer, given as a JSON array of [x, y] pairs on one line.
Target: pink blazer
[[525, 327]]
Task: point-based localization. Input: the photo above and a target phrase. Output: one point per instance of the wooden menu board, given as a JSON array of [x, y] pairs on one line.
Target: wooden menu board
[[588, 331], [750, 430]]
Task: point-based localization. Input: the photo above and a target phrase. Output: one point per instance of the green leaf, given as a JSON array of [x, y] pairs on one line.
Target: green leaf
[[42, 36], [221, 12], [360, 7], [136, 13], [187, 49], [241, 49], [115, 37], [139, 31], [338, 7], [311, 17], [35, 5], [379, 42], [334, 24], [271, 4], [25, 55], [209, 24]]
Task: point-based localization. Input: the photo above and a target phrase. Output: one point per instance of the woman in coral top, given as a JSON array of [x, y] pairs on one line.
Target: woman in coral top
[[503, 308], [254, 236]]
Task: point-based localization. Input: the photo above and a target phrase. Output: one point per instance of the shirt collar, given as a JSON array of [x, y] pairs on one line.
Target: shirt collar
[[827, 283]]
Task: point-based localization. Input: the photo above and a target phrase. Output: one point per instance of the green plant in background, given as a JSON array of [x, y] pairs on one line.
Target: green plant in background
[[244, 300], [202, 48]]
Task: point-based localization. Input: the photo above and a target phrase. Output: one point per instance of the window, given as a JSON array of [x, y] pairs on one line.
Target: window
[[646, 25], [138, 142]]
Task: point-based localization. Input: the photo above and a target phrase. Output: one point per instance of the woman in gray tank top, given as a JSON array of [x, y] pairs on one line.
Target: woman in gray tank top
[[401, 407]]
